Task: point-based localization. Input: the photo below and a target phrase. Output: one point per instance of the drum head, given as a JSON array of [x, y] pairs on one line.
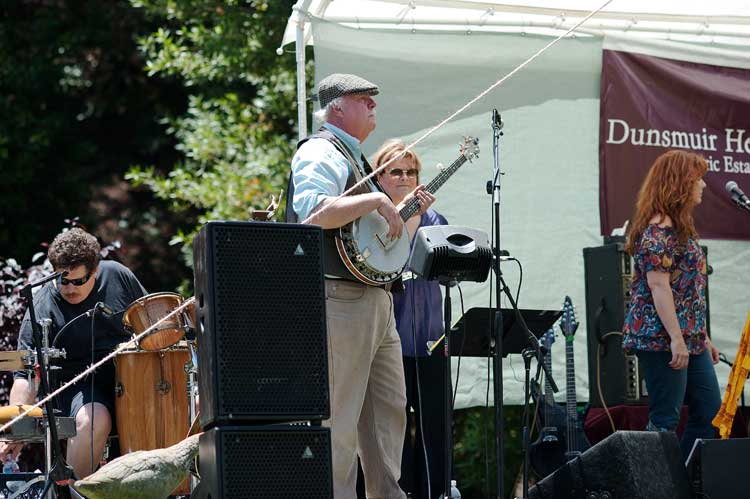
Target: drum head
[[148, 310]]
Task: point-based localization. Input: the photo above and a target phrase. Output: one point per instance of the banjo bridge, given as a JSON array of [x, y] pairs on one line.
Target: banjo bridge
[[385, 242]]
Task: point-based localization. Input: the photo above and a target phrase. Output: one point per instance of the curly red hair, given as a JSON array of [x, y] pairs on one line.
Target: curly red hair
[[667, 190]]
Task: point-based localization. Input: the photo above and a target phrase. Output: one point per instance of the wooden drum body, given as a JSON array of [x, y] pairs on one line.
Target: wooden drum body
[[151, 398], [151, 401], [147, 311]]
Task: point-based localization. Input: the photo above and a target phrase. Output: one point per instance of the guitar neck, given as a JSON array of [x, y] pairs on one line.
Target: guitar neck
[[547, 385], [412, 206], [570, 393]]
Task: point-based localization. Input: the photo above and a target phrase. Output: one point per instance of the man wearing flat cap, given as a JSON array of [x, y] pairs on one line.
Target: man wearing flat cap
[[365, 370]]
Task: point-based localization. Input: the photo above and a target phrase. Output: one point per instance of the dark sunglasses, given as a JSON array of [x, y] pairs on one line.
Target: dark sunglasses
[[75, 282], [397, 172]]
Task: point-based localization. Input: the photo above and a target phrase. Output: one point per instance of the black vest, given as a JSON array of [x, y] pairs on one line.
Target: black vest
[[332, 261]]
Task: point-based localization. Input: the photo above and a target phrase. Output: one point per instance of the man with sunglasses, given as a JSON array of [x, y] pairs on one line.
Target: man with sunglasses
[[66, 302]]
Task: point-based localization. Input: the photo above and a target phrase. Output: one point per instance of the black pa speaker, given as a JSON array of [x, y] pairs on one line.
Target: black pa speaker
[[261, 333], [625, 465], [272, 462], [450, 253], [717, 467]]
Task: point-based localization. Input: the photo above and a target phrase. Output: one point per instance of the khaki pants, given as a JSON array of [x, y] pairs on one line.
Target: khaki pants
[[368, 397]]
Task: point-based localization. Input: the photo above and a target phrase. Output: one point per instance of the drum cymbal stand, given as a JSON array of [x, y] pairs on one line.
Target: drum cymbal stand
[[49, 353], [191, 368], [46, 323], [60, 473]]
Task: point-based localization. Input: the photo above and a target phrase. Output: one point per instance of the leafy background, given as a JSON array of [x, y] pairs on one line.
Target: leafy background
[[144, 119]]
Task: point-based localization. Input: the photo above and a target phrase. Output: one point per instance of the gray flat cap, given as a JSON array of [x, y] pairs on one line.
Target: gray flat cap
[[337, 85]]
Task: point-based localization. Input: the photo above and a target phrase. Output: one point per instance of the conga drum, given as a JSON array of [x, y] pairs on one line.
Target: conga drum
[[151, 401], [146, 311]]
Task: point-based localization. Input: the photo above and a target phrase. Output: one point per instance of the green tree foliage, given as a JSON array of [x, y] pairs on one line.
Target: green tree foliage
[[237, 136], [77, 111], [474, 463]]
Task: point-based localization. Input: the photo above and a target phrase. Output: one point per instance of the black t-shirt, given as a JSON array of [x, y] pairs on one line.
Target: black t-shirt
[[116, 286]]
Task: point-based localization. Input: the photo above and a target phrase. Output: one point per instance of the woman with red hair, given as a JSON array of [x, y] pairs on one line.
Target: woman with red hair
[[666, 323]]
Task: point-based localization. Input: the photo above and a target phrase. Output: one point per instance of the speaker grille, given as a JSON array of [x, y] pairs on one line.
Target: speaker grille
[[266, 326], [273, 461]]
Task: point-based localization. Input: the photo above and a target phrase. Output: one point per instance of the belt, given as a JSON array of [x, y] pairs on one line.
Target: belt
[[387, 286]]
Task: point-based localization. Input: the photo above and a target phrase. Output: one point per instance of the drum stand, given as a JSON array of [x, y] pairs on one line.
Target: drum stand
[[191, 368], [59, 472], [46, 323]]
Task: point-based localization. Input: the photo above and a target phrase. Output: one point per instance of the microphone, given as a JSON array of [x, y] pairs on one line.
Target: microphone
[[105, 309], [497, 121], [739, 197], [50, 277]]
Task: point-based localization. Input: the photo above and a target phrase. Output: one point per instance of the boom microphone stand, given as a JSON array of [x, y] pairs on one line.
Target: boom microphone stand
[[535, 350], [493, 188], [60, 473]]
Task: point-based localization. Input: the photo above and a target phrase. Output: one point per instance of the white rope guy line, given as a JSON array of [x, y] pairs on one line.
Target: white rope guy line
[[97, 365], [459, 111]]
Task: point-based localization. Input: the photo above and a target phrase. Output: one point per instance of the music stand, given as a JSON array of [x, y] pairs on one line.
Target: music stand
[[477, 322]]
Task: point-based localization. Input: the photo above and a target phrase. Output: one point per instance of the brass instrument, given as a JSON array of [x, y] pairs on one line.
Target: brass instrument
[[738, 375]]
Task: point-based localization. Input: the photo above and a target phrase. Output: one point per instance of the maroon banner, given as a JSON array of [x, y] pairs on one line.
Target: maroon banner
[[650, 105]]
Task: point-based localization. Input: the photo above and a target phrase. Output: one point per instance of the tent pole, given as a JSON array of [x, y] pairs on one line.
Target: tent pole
[[299, 49]]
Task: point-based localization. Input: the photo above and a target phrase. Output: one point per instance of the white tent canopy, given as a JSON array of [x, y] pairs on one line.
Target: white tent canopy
[[718, 21], [430, 57]]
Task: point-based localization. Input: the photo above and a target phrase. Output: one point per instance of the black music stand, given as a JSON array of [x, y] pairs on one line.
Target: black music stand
[[477, 323]]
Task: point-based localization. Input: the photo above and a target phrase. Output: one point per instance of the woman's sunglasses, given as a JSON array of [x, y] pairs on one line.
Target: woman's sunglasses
[[397, 172]]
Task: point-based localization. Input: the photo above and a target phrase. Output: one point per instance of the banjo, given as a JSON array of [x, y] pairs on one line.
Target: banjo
[[363, 245]]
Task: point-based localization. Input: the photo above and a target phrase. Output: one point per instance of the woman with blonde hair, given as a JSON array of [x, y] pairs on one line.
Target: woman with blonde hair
[[419, 319], [666, 323]]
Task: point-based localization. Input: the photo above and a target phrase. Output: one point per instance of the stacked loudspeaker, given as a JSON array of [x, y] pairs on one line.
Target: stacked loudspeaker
[[262, 361]]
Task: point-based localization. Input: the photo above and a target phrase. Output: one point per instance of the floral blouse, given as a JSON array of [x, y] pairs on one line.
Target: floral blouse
[[658, 249]]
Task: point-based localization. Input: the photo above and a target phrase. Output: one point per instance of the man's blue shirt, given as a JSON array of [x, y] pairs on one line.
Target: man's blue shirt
[[320, 171]]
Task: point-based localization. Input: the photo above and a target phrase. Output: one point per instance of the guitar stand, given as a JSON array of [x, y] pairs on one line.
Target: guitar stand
[[527, 354], [60, 473]]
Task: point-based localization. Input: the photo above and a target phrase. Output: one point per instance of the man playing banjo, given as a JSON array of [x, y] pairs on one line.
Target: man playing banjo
[[365, 369]]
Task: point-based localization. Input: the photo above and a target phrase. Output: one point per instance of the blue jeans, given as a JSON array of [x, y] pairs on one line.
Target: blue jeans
[[668, 389]]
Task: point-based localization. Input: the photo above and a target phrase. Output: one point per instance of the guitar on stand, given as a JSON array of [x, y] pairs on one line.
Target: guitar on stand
[[547, 453], [574, 436]]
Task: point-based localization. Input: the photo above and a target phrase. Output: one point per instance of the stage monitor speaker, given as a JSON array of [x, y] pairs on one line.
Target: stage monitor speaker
[[261, 333], [625, 465], [449, 253], [717, 467], [275, 461], [608, 277]]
